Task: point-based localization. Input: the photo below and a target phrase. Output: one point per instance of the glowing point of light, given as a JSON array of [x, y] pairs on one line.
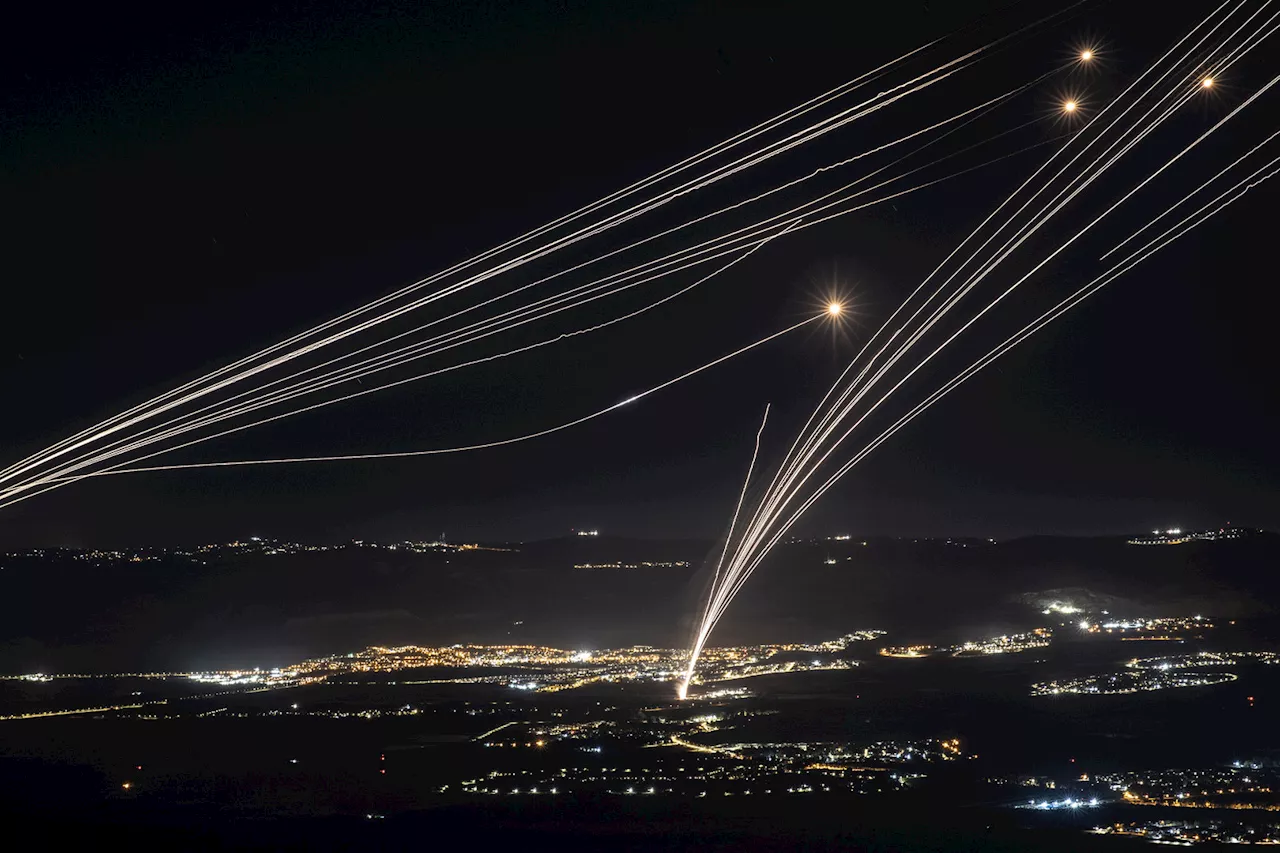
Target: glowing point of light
[[834, 309], [1206, 83], [1069, 106], [1086, 55]]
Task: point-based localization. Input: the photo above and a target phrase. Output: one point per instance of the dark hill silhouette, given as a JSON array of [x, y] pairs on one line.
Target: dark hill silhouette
[[63, 614]]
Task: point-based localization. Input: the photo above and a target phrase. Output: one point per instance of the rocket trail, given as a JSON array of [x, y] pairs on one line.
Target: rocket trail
[[731, 591], [42, 466], [1219, 203], [746, 481], [635, 398], [794, 139], [789, 494], [349, 373]]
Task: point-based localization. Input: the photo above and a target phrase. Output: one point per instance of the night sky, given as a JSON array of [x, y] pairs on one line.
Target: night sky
[[185, 186]]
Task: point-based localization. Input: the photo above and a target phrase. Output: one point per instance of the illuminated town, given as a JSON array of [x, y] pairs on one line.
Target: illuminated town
[[1115, 683], [1204, 659], [548, 670], [647, 564], [537, 723], [1175, 628], [738, 769], [521, 722], [239, 549], [1213, 788], [1037, 638], [538, 669], [1189, 832], [1177, 536]]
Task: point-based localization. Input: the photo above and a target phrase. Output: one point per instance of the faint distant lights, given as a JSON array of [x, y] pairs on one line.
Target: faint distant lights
[[588, 532], [1180, 536]]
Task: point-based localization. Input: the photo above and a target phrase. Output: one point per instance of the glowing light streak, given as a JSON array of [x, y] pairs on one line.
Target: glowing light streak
[[816, 435], [785, 487], [791, 141], [1169, 236], [746, 481], [482, 446], [879, 101], [60, 476]]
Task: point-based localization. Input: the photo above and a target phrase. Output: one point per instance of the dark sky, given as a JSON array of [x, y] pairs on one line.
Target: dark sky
[[185, 186]]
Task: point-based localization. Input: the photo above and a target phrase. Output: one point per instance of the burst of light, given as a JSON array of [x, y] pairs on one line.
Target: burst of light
[[1069, 106], [834, 309], [1206, 83], [1086, 55]]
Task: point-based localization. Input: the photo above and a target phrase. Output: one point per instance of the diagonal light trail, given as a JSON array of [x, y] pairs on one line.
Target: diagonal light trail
[[348, 373], [789, 494], [871, 105], [634, 398], [691, 175]]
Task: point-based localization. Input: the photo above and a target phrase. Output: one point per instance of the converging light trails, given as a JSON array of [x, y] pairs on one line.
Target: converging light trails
[[791, 141], [150, 436], [635, 398], [77, 455], [789, 494], [457, 339]]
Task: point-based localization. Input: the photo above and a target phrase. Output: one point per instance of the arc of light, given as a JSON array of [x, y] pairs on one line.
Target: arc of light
[[62, 472], [722, 600], [795, 139], [482, 446]]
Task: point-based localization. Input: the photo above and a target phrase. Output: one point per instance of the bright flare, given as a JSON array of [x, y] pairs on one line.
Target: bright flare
[[1086, 55], [834, 309], [1069, 107], [1206, 83]]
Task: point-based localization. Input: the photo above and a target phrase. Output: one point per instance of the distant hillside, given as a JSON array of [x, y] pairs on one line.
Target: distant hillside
[[62, 614]]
